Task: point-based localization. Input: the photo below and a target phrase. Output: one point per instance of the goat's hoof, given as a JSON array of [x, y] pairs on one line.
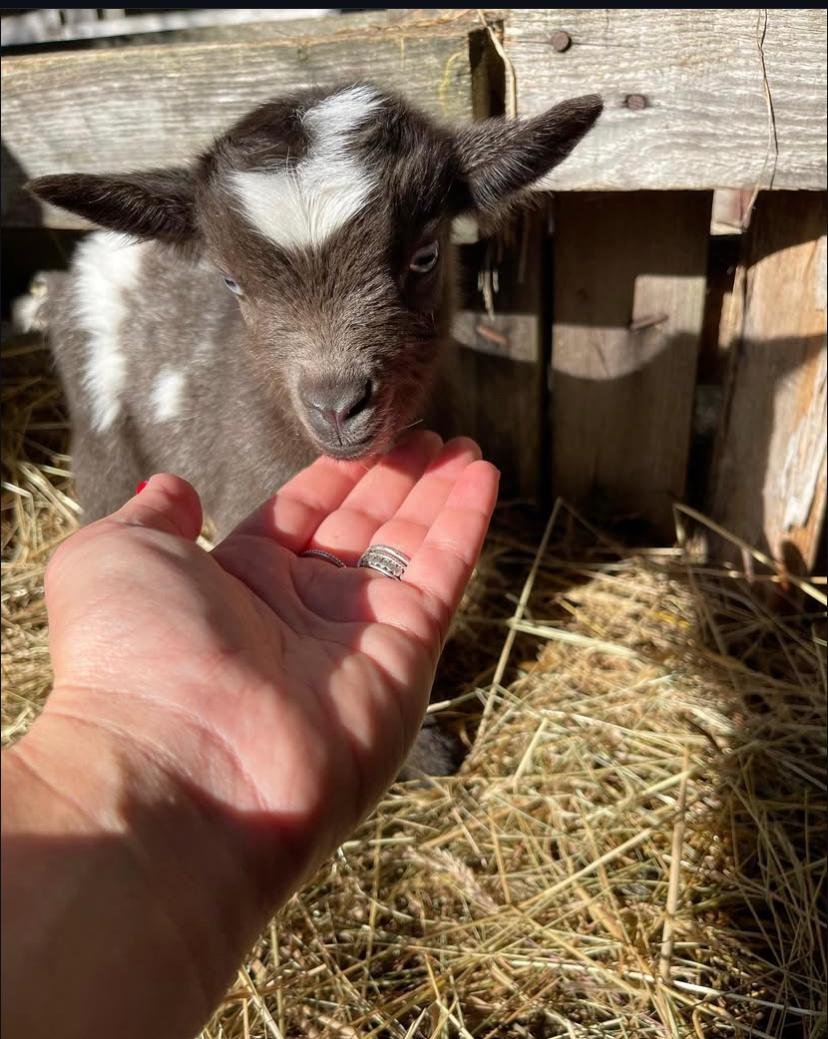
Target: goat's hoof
[[435, 753]]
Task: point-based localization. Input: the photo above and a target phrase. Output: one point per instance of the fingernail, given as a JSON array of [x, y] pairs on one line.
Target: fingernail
[[139, 487]]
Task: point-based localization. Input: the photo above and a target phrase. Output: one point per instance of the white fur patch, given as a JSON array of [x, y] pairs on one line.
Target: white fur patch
[[107, 265], [167, 394], [25, 313], [303, 206]]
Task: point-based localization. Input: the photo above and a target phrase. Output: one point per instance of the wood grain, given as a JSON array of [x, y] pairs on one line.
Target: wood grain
[[496, 390], [769, 481], [124, 108], [705, 123], [629, 288]]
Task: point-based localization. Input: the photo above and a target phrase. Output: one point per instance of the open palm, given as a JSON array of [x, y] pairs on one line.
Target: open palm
[[278, 683]]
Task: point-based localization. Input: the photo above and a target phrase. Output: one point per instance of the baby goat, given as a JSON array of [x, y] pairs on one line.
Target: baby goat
[[287, 294]]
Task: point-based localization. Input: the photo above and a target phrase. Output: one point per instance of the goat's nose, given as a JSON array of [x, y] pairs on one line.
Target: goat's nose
[[333, 404]]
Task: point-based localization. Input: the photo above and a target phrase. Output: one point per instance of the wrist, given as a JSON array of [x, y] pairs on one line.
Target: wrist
[[161, 772], [101, 840]]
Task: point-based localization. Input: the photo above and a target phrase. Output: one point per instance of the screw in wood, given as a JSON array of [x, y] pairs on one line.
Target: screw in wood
[[560, 41], [635, 102]]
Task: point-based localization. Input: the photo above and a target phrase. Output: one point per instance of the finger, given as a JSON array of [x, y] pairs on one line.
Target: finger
[[164, 502], [407, 529], [292, 515], [442, 565], [439, 569], [377, 496]]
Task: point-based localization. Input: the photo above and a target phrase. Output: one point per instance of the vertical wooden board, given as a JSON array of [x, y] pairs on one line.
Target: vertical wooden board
[[497, 394], [629, 287], [769, 479]]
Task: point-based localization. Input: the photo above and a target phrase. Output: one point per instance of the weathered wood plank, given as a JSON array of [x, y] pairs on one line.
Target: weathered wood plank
[[698, 77], [497, 395], [731, 210], [125, 108], [769, 479], [629, 287], [51, 25]]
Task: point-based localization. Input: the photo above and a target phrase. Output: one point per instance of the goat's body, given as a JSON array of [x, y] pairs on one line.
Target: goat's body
[[151, 375]]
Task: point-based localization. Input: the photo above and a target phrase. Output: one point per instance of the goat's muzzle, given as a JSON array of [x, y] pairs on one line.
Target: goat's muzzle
[[339, 412]]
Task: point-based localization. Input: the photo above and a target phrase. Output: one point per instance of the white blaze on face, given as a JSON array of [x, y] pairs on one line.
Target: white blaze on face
[[107, 266], [303, 206], [167, 393]]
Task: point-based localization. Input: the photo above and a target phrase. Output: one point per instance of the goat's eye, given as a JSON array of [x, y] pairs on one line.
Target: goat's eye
[[233, 286], [425, 259]]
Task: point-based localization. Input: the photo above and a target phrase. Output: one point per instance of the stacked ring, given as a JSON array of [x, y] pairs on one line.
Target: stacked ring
[[320, 553], [385, 560]]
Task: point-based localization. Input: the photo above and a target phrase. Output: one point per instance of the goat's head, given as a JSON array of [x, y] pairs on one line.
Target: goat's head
[[328, 215]]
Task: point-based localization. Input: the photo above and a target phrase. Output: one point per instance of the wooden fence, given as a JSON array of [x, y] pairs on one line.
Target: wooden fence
[[615, 342]]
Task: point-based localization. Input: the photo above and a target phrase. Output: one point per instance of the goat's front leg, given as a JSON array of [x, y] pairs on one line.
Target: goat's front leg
[[106, 466]]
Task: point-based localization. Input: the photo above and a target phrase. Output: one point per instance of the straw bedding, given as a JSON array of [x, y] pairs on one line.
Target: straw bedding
[[635, 845]]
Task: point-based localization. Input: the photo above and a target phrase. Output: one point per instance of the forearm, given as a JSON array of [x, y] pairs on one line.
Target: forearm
[[126, 904]]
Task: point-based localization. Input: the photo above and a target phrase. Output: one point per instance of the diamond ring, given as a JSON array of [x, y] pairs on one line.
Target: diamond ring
[[320, 553], [385, 560]]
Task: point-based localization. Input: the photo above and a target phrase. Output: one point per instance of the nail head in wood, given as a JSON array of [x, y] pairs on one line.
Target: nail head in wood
[[560, 41], [635, 102]]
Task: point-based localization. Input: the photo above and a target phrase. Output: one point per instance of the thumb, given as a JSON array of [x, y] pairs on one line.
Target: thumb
[[164, 502]]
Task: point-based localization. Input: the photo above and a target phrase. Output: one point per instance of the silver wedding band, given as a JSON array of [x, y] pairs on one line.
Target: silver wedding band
[[320, 553], [385, 560]]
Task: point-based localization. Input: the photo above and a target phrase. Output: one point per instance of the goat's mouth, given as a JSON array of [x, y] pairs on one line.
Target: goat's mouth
[[372, 446], [372, 442], [364, 448], [379, 441]]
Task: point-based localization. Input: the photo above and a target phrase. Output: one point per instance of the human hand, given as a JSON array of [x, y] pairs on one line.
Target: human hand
[[219, 722], [280, 686]]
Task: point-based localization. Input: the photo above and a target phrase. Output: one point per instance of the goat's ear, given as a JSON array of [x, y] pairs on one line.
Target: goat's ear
[[154, 204], [501, 157]]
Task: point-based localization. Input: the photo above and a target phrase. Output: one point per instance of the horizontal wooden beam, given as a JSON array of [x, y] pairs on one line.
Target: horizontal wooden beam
[[124, 108], [695, 99], [51, 25]]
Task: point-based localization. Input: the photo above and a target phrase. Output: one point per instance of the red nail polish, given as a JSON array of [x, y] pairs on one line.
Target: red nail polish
[[139, 487]]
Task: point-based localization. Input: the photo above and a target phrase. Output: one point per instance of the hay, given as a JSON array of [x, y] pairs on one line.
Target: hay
[[636, 845], [37, 513]]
